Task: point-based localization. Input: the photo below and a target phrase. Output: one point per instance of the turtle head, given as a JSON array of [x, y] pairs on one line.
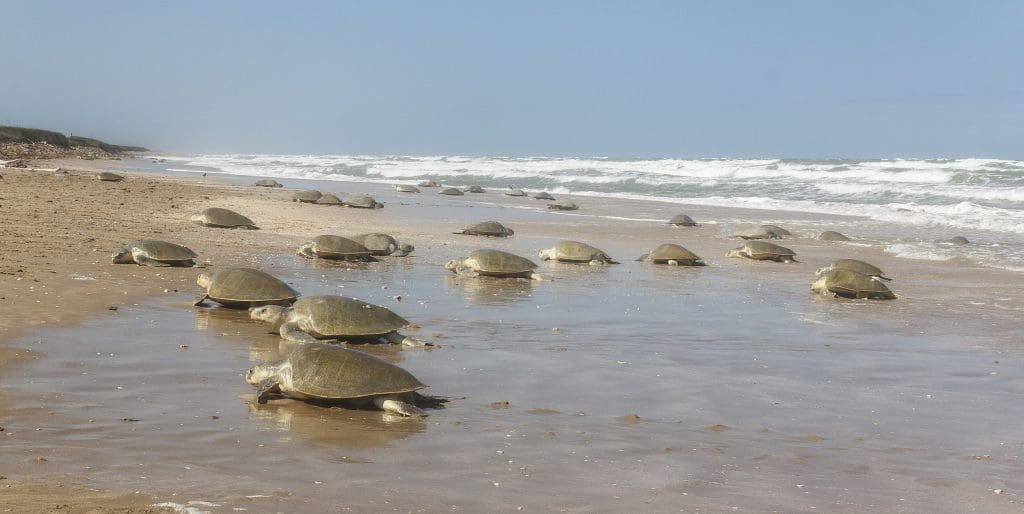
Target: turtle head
[[204, 281], [820, 285], [268, 313], [257, 374], [547, 254], [403, 250], [453, 265], [738, 252], [124, 256]]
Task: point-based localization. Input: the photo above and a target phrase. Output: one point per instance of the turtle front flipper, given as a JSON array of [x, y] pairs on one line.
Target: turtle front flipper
[[396, 406], [396, 338], [265, 389], [149, 261], [200, 300], [291, 332], [536, 276], [641, 258]]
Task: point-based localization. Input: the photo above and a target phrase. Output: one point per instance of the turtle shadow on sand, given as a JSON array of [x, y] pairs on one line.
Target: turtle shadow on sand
[[491, 290]]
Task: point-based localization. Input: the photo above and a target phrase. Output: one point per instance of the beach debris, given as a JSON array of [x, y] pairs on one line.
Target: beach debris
[[564, 205], [487, 228], [831, 235], [762, 251], [364, 202], [151, 252], [854, 265], [429, 183], [306, 196], [474, 189], [673, 255], [107, 176], [326, 372], [543, 195], [494, 263], [332, 318], [223, 218], [79, 276], [762, 232], [515, 192], [682, 220], [336, 248], [383, 244], [851, 284], [575, 251], [959, 240], [241, 288], [268, 182], [406, 188], [329, 199]]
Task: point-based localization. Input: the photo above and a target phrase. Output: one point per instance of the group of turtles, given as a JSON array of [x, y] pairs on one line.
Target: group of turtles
[[315, 369]]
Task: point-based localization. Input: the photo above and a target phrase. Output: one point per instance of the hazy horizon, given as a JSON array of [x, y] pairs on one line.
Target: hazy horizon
[[798, 80]]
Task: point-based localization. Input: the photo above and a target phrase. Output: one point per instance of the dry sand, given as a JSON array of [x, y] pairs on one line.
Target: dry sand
[[756, 429]]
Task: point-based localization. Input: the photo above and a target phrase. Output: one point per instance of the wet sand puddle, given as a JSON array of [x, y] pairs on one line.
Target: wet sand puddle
[[603, 389]]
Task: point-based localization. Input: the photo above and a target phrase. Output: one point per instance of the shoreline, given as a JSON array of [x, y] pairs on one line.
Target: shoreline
[[42, 291]]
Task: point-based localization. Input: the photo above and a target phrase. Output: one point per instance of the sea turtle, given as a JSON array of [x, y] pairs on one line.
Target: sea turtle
[[326, 372], [107, 176], [762, 251], [306, 196], [575, 251], [268, 182], [851, 284], [494, 263], [777, 230], [515, 192], [223, 218], [451, 191], [429, 183], [364, 202], [682, 220], [959, 240], [406, 188], [758, 232], [853, 265], [150, 252], [383, 244], [329, 199], [543, 195], [673, 255], [831, 235], [329, 317], [474, 189], [564, 205], [242, 288], [336, 248], [487, 228]]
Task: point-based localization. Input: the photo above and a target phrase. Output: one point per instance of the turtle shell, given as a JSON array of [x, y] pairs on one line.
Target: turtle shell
[[563, 206], [474, 189], [337, 316], [377, 244], [777, 230], [107, 176], [451, 191], [498, 263], [247, 287], [405, 188], [672, 252], [268, 182], [162, 250], [333, 372], [363, 202], [682, 220], [543, 195], [761, 250], [515, 192], [853, 265], [488, 228], [831, 235], [575, 251], [959, 240], [307, 196], [756, 233], [851, 284], [337, 247], [217, 217], [328, 199]]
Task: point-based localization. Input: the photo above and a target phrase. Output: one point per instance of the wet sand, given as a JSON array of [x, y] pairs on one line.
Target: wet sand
[[601, 389]]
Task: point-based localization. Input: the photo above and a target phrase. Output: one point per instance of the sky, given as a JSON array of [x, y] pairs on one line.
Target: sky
[[689, 79]]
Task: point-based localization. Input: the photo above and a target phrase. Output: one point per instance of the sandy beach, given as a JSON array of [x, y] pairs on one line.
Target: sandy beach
[[721, 388]]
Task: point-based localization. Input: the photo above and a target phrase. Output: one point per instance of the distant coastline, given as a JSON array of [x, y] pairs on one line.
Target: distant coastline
[[19, 143]]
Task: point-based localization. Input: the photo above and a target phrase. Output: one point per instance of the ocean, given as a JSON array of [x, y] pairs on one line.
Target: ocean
[[932, 199]]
